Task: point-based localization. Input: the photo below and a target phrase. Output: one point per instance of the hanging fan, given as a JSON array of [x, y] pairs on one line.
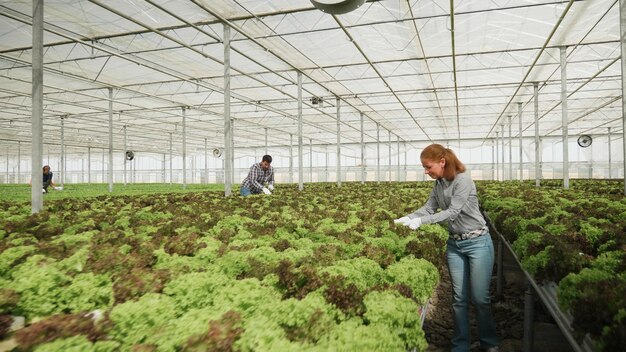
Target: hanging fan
[[337, 7], [130, 155], [584, 141], [217, 152]]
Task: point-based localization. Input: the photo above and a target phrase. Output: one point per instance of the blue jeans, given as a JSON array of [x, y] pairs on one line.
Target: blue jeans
[[244, 191], [470, 263]]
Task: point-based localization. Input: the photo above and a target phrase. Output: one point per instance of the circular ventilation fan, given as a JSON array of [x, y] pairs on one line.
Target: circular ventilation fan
[[584, 141], [217, 152], [130, 155], [337, 7]]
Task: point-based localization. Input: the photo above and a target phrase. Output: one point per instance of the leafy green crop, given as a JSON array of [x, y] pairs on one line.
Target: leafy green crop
[[418, 274], [400, 314], [574, 237], [78, 343], [362, 272], [298, 271]]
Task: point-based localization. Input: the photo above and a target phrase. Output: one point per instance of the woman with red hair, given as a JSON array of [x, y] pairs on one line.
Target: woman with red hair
[[469, 251]]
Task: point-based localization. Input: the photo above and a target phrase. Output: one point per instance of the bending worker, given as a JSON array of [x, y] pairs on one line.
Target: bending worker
[[47, 179], [469, 247], [260, 174]]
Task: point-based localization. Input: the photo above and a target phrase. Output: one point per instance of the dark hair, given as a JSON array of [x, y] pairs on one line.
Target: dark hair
[[267, 158], [436, 152], [46, 166]]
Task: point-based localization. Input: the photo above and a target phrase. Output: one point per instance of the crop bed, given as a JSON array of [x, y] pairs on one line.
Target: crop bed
[[574, 237], [319, 269]]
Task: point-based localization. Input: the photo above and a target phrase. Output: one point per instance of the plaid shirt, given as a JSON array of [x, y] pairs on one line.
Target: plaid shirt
[[257, 177]]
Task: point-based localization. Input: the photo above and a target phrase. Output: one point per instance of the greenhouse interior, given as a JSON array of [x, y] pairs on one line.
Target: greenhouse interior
[[153, 117]]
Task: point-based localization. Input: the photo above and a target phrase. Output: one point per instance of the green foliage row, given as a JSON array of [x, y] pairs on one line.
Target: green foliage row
[[319, 269], [574, 237], [18, 193]]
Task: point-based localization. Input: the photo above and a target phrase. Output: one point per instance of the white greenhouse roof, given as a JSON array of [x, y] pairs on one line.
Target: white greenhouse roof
[[411, 67]]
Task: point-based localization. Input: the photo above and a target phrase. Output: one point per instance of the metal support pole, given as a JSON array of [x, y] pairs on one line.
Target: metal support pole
[[590, 161], [37, 109], [493, 159], [232, 155], [184, 147], [378, 152], [502, 142], [389, 144], [521, 164], [110, 176], [338, 142], [362, 152], [163, 169], [326, 162], [223, 167], [510, 151], [103, 152], [228, 167], [622, 25], [206, 162], [290, 158], [300, 150], [89, 164], [19, 160], [171, 156], [537, 142], [7, 173], [405, 161], [609, 145], [266, 141], [529, 318], [311, 160], [398, 157], [62, 151], [564, 116], [497, 156], [125, 149]]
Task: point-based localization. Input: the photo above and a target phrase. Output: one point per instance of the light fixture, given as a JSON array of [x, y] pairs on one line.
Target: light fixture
[[337, 7]]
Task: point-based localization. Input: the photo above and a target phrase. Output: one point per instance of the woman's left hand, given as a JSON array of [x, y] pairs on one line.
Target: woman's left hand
[[414, 224]]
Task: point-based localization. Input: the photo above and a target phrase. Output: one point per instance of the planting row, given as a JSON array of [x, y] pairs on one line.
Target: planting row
[[575, 237], [319, 269]]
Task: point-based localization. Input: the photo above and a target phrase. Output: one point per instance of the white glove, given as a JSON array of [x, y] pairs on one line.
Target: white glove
[[402, 221], [414, 224], [266, 191], [270, 187]]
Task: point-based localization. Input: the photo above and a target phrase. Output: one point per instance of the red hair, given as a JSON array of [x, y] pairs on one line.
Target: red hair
[[436, 152]]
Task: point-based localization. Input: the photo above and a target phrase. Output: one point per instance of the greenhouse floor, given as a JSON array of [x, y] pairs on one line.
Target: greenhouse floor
[[508, 314]]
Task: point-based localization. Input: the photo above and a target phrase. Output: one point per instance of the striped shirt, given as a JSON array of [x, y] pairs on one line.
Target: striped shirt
[[257, 177]]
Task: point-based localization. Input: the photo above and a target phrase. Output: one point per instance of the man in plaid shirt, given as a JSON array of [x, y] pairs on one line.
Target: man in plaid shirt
[[259, 174]]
